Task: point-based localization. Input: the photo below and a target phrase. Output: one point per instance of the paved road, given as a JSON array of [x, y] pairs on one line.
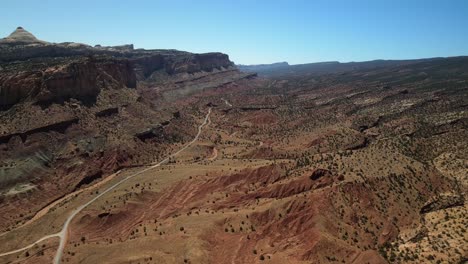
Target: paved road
[[64, 232]]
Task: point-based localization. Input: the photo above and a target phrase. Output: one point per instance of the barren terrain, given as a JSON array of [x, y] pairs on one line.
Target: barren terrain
[[362, 164]]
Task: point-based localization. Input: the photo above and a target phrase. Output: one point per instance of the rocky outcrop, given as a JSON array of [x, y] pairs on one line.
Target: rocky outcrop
[[145, 61], [75, 103], [150, 133], [319, 173], [22, 45], [59, 126], [209, 61], [365, 122], [176, 62], [89, 179], [107, 112], [258, 107], [15, 86], [442, 201], [157, 133], [21, 36], [22, 52], [80, 79], [146, 65], [125, 47]]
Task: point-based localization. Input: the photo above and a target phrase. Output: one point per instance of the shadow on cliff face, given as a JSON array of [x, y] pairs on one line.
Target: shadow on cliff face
[[81, 79]]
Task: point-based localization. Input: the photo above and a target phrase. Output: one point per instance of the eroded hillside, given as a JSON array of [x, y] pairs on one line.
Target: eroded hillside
[[349, 165]]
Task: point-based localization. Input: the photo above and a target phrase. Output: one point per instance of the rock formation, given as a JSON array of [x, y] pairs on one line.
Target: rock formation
[[69, 111], [81, 79], [21, 36]]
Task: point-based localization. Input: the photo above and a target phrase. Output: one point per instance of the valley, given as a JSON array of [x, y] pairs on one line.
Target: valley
[[123, 155]]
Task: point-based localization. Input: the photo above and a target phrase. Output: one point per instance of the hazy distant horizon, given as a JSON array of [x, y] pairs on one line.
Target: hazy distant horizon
[[409, 59], [260, 32]]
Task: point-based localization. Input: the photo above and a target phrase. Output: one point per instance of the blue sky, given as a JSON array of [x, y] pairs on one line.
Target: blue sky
[[251, 32]]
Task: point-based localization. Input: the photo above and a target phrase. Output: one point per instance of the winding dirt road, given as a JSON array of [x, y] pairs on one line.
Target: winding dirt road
[[46, 209], [62, 235], [226, 102]]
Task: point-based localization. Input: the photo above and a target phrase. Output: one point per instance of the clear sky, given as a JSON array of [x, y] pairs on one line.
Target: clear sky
[[254, 31]]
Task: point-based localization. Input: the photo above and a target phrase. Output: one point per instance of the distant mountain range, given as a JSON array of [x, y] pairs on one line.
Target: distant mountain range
[[263, 67], [285, 69]]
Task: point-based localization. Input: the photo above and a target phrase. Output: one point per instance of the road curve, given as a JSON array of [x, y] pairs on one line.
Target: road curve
[[226, 102], [64, 232], [30, 245], [46, 209]]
